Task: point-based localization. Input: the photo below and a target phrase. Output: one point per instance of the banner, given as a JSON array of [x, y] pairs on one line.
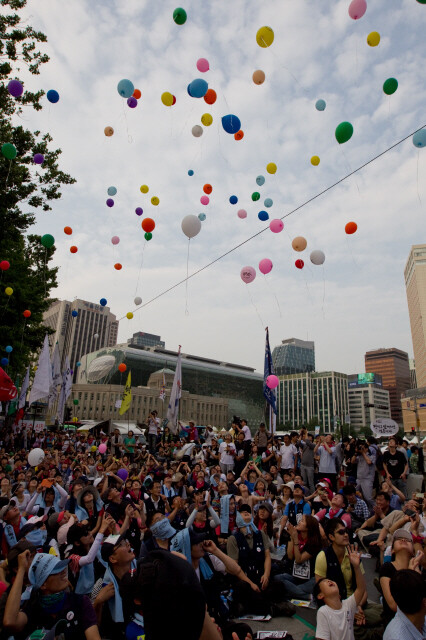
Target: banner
[[126, 399], [56, 376], [43, 375], [163, 388], [66, 387], [384, 427], [7, 389], [173, 410]]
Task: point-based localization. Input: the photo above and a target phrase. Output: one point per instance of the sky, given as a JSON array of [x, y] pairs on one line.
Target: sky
[[353, 303]]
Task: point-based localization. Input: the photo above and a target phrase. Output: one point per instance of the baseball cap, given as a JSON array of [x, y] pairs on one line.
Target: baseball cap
[[267, 506], [43, 566], [322, 484], [402, 534], [6, 508], [110, 545]]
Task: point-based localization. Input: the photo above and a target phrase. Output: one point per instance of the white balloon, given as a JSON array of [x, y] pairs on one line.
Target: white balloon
[[137, 301], [96, 336], [35, 457], [197, 131], [191, 226], [317, 257]]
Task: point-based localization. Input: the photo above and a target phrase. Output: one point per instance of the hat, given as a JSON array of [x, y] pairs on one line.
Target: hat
[[402, 534], [6, 508], [110, 545], [177, 477], [16, 550], [89, 489], [36, 522], [196, 538], [265, 505], [43, 566], [245, 507], [322, 484], [55, 519], [297, 486]]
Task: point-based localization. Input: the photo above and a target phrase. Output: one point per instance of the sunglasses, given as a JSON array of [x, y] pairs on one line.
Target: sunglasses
[[341, 532]]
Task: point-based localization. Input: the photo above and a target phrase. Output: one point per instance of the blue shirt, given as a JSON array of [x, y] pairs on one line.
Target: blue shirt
[[306, 508], [401, 628]]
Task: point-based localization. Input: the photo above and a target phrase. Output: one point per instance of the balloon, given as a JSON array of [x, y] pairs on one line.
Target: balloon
[[96, 336], [351, 227], [123, 474], [68, 231], [233, 199], [118, 266], [197, 131], [9, 150], [4, 362], [239, 135], [198, 88], [357, 8], [263, 216], [73, 249], [15, 88], [26, 313], [122, 367], [148, 225], [147, 236], [75, 401], [317, 257], [203, 65], [242, 213], [265, 37], [167, 99], [103, 302], [271, 167], [108, 131], [390, 86], [190, 172], [179, 16], [191, 226], [204, 200], [137, 94], [38, 158], [268, 202], [112, 191], [210, 96], [129, 315], [8, 291], [125, 88], [52, 96], [110, 202], [265, 266], [4, 265], [247, 274], [419, 140], [9, 349], [47, 240], [315, 161], [208, 188], [202, 216], [259, 77], [35, 457], [260, 180], [206, 119], [132, 102], [320, 105], [299, 243], [137, 301], [231, 123], [139, 211], [373, 38], [115, 239], [344, 132], [144, 188], [74, 313], [299, 264], [155, 201], [255, 196], [276, 226], [102, 448], [272, 382]]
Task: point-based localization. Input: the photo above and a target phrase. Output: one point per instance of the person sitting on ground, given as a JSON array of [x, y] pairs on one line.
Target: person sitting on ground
[[370, 529], [408, 590], [357, 508], [337, 509]]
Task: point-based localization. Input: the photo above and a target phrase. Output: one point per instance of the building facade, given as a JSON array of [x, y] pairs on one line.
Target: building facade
[[415, 284], [294, 356], [414, 406], [142, 339], [413, 375], [367, 400], [392, 365]]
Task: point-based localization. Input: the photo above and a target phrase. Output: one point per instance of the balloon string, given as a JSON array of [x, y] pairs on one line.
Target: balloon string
[[186, 281], [44, 271], [351, 252], [140, 268], [323, 291], [418, 192], [273, 293], [129, 137], [349, 167], [255, 308], [8, 171]]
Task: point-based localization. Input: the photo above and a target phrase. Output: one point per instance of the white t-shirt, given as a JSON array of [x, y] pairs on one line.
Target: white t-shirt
[[287, 454], [338, 624], [247, 432], [226, 458], [153, 425]]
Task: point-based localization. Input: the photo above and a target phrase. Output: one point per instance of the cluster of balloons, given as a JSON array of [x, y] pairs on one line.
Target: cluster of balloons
[[127, 90]]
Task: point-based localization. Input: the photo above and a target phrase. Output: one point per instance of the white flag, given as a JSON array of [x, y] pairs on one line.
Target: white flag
[[24, 389], [56, 375], [173, 410], [66, 387], [163, 388], [43, 375]]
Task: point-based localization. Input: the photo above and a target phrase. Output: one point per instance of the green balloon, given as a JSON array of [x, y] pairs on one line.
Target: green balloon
[[255, 196], [75, 401], [47, 240], [390, 85], [421, 1], [148, 235], [8, 150], [344, 132], [179, 15]]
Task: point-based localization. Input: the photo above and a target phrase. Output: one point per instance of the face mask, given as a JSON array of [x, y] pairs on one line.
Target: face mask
[[250, 526], [162, 529]]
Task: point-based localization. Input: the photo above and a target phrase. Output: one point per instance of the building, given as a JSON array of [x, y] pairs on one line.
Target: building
[[392, 365], [79, 328], [415, 284], [413, 376], [294, 356], [141, 339], [414, 402], [367, 399], [322, 396]]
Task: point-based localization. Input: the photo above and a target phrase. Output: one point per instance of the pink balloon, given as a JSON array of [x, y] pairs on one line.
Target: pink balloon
[[115, 239], [242, 213], [276, 226], [265, 266], [102, 448], [204, 200], [248, 274], [357, 8], [272, 382], [203, 65]]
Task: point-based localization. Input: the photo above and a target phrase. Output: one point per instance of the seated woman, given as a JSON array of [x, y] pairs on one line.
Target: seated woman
[[90, 508], [159, 535], [264, 521]]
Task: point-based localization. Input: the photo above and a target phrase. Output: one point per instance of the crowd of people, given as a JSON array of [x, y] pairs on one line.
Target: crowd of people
[[117, 536]]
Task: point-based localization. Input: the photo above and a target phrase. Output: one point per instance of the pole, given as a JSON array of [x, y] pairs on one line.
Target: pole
[[416, 413]]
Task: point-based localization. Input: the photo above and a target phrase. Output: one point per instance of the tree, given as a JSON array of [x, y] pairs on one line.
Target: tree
[[24, 188]]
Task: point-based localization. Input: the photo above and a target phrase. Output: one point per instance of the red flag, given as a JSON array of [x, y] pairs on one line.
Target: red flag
[[19, 415], [8, 391]]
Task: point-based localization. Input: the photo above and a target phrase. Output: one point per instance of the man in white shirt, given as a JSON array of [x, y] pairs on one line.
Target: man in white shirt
[[287, 457], [227, 454]]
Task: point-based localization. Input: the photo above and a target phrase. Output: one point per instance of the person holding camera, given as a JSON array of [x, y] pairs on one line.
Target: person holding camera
[[153, 426], [227, 454]]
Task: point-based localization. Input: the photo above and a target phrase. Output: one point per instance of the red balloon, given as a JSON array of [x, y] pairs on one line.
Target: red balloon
[[122, 367], [207, 188], [118, 266], [68, 231], [26, 313], [174, 100], [4, 265], [210, 96], [351, 227], [299, 264], [73, 249], [239, 135], [148, 225], [137, 94]]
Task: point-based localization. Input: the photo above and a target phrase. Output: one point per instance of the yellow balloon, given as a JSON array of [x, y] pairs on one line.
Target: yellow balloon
[[206, 119], [265, 37], [167, 99], [129, 315], [373, 39], [8, 291], [144, 188], [271, 167], [155, 201], [315, 161], [75, 419]]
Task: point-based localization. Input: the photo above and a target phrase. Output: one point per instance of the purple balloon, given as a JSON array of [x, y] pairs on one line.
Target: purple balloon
[[38, 158], [132, 102], [123, 474], [15, 88], [110, 202], [139, 211]]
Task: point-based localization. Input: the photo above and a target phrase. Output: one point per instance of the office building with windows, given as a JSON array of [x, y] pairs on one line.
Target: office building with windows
[[367, 400], [415, 284], [294, 356], [142, 339], [392, 365]]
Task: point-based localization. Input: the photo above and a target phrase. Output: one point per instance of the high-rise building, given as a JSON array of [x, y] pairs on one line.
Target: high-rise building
[[80, 327], [413, 375], [415, 283], [294, 356], [142, 339], [392, 365], [367, 399]]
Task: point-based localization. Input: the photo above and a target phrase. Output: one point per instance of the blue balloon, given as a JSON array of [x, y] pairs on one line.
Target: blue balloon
[[198, 88], [4, 362], [419, 138], [78, 364], [125, 88], [103, 302], [9, 349], [189, 91], [320, 105], [190, 172], [260, 180], [202, 216], [263, 215], [268, 202], [112, 191], [233, 199], [52, 96], [74, 313], [231, 123]]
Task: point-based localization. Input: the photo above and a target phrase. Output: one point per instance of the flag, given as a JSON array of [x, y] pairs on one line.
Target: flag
[[65, 391], [7, 389], [56, 375], [269, 394], [173, 410], [126, 398], [163, 388], [24, 389], [43, 375]]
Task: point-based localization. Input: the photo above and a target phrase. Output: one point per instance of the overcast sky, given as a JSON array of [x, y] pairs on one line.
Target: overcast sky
[[354, 303]]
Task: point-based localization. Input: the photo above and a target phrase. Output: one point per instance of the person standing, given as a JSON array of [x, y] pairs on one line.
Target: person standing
[[365, 460], [287, 456], [262, 436], [227, 454], [307, 462], [327, 462], [153, 426], [395, 465]]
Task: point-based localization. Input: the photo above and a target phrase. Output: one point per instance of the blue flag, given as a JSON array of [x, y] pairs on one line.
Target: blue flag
[[269, 370]]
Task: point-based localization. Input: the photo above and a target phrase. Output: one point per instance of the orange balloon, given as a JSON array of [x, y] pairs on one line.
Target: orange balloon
[[207, 188], [73, 249], [351, 227], [122, 367], [117, 266], [239, 135], [108, 131], [68, 231], [259, 77], [210, 96], [137, 94], [148, 225], [26, 313]]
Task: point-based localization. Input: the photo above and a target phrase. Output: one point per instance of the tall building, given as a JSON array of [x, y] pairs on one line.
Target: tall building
[[415, 283], [142, 339], [413, 375], [367, 399], [294, 356], [392, 365], [80, 327]]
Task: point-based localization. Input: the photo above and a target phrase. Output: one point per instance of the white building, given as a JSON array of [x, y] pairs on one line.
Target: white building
[[367, 402]]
